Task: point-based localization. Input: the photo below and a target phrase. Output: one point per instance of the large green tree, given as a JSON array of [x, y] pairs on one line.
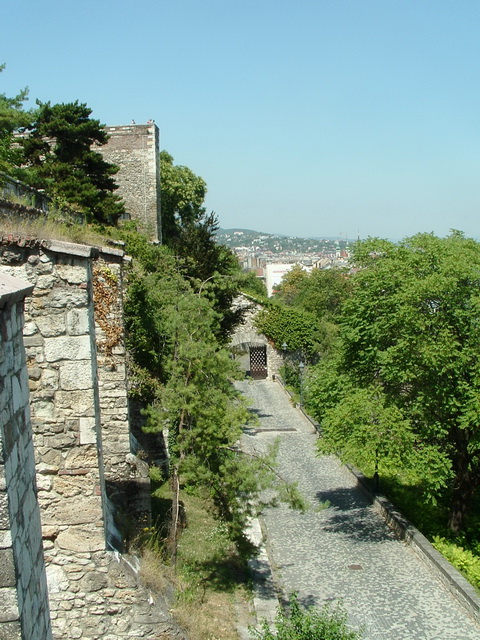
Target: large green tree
[[410, 330], [320, 291], [182, 195], [190, 232], [186, 375], [59, 156]]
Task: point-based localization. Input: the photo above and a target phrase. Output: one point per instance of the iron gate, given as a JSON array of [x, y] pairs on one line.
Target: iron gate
[[258, 362]]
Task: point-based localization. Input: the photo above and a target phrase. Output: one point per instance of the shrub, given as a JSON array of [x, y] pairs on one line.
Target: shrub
[[329, 623]]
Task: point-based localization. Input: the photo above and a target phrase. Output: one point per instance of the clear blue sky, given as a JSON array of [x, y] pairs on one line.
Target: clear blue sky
[[306, 117]]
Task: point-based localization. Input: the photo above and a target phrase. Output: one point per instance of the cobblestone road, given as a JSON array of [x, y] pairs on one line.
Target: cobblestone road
[[344, 551]]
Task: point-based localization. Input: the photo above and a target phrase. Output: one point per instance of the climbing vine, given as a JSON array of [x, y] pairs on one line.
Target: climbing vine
[[108, 311]]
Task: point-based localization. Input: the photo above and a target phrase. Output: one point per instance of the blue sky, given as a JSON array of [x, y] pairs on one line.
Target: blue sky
[[308, 118]]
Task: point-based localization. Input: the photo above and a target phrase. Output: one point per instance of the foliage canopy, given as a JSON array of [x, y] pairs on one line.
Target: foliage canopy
[[411, 346], [59, 156]]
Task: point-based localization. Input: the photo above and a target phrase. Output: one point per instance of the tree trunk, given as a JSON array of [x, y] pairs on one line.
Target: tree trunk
[[467, 480], [175, 522]]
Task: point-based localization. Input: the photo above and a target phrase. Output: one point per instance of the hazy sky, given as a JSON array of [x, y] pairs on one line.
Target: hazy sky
[[306, 117]]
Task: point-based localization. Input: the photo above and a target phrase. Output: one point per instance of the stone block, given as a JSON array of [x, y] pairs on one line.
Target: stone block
[[94, 581], [7, 568], [81, 540], [88, 432], [56, 579], [77, 322], [51, 325], [68, 348], [50, 379], [5, 539], [80, 510], [9, 608], [43, 410], [33, 341], [72, 274], [76, 375], [4, 515], [79, 401], [45, 281], [68, 298], [83, 457], [67, 487], [10, 631]]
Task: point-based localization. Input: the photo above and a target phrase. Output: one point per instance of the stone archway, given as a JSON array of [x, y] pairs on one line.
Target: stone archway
[[245, 339], [251, 350]]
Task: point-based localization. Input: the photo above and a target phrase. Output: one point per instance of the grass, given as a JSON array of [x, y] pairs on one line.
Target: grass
[[50, 228], [210, 578]]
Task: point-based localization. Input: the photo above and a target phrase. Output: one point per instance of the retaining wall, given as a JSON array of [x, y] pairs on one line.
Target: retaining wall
[[75, 353]]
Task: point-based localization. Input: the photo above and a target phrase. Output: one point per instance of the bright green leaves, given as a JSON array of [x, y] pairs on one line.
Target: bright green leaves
[[12, 118], [327, 623], [297, 328], [182, 194], [411, 352]]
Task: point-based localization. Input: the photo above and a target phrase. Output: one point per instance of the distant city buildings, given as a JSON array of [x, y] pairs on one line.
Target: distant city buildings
[[272, 256]]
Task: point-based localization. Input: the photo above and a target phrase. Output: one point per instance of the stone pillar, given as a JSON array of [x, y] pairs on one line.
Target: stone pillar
[[24, 610], [126, 475]]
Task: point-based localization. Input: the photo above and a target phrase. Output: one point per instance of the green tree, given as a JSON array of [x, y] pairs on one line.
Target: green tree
[[320, 291], [191, 234], [294, 327], [186, 376], [411, 330], [59, 156], [182, 195]]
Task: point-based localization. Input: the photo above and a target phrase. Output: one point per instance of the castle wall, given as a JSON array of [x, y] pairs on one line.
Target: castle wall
[[77, 380], [135, 150], [24, 610]]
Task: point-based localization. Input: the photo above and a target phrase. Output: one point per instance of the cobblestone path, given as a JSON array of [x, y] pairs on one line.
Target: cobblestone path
[[341, 549]]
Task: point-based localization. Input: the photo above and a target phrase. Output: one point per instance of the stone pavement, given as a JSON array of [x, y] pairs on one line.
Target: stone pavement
[[341, 549]]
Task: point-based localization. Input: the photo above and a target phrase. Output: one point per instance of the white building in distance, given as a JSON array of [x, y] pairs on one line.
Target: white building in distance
[[274, 273]]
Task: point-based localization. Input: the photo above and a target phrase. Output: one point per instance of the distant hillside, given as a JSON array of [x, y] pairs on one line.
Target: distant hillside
[[276, 243]]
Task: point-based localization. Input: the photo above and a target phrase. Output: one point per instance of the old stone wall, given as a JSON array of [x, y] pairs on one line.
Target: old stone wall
[[24, 611], [78, 398], [135, 150], [126, 475], [246, 335]]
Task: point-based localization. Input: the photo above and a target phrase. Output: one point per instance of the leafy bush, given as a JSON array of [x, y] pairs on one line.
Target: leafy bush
[[329, 623], [296, 328], [462, 559]]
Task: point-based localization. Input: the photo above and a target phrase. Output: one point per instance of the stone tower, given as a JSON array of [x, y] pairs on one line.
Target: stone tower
[[135, 149]]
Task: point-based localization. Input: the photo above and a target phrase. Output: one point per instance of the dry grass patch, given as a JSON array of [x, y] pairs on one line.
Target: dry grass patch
[[211, 578], [50, 228]]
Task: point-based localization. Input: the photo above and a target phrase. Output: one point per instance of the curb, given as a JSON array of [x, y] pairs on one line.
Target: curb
[[450, 577], [265, 600]]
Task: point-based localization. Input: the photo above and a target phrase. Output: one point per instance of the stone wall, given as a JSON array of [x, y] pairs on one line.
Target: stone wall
[[126, 475], [246, 335], [135, 150], [24, 611], [78, 396]]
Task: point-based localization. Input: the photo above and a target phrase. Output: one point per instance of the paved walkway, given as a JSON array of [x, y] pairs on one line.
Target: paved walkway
[[341, 549]]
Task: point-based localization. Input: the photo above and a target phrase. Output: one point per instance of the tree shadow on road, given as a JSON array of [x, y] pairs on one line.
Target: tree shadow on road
[[350, 514]]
